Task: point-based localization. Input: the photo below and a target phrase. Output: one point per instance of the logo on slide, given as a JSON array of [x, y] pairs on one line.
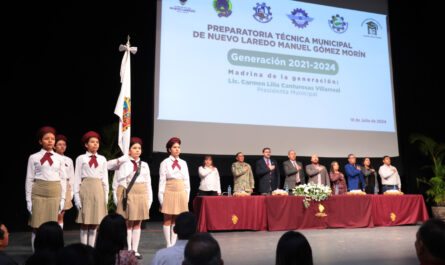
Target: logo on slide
[[262, 13], [300, 18], [371, 28], [223, 7], [338, 24]]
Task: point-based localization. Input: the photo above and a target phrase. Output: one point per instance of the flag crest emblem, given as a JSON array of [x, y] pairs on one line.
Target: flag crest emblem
[[126, 117]]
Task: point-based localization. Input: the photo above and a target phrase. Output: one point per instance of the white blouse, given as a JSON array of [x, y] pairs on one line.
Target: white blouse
[[126, 173], [166, 172], [69, 172], [83, 170], [46, 172], [209, 179]]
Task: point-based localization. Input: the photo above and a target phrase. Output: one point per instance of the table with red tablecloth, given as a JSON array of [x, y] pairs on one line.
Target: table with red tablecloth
[[275, 213]]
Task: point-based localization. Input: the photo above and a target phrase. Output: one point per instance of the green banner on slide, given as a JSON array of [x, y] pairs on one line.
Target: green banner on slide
[[282, 62]]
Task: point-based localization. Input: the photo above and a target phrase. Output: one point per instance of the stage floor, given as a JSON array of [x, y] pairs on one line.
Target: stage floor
[[379, 245]]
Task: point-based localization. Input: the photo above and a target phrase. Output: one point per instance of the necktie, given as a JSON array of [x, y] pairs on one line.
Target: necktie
[[295, 164], [267, 162], [135, 165], [47, 157], [93, 161], [176, 164]]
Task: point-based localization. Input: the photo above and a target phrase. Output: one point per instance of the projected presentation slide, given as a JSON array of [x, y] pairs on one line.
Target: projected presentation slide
[[274, 63]]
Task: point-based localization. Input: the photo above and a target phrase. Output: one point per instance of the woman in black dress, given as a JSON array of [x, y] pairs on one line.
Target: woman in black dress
[[372, 185]]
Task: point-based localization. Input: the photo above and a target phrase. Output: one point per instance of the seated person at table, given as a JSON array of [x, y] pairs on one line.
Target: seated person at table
[[293, 170], [242, 175], [354, 174], [390, 176], [337, 178], [210, 184], [372, 185], [317, 173], [430, 242], [268, 173], [293, 248]]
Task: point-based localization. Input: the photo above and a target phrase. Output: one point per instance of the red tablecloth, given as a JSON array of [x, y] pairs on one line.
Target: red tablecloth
[[288, 212], [230, 213], [390, 210]]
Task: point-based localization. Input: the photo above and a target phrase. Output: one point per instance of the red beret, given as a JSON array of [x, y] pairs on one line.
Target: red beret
[[44, 130], [174, 140], [61, 137], [88, 135], [134, 140]]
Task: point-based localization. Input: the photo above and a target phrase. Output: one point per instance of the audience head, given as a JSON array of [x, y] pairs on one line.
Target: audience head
[[208, 162], [387, 160], [4, 236], [314, 159], [185, 225], [49, 236], [266, 152], [111, 238], [367, 162], [430, 242], [42, 257], [239, 157], [334, 166], [291, 154], [202, 249], [293, 248], [352, 159], [75, 254]]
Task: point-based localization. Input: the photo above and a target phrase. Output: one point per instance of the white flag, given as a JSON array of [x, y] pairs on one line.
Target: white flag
[[123, 106]]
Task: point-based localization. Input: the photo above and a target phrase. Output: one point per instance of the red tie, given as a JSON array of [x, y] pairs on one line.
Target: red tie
[[176, 164], [267, 162], [93, 161], [135, 165], [47, 157]]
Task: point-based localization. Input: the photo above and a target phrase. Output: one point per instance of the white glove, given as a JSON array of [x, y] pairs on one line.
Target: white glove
[[62, 204], [78, 205], [115, 199], [123, 159], [29, 206]]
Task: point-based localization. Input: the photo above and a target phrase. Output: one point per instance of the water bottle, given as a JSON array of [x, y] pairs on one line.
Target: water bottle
[[375, 190], [286, 188], [336, 189], [229, 191]]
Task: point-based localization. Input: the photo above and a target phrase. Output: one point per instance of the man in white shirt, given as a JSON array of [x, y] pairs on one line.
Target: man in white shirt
[[390, 176], [186, 224]]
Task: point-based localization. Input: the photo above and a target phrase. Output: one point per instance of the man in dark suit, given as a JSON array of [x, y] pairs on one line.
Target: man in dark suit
[[268, 173], [293, 170], [317, 173]]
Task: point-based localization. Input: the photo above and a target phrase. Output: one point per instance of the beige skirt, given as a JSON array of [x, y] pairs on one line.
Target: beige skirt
[[137, 202], [175, 197], [92, 197], [45, 199], [68, 203]]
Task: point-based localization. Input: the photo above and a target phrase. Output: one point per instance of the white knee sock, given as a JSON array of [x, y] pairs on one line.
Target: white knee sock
[[129, 236], [33, 236], [61, 225], [173, 235], [91, 237], [167, 235], [84, 236], [135, 240]]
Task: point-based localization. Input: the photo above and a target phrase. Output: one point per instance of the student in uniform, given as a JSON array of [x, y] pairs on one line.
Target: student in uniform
[[45, 182], [174, 188], [60, 149], [139, 196], [90, 188]]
